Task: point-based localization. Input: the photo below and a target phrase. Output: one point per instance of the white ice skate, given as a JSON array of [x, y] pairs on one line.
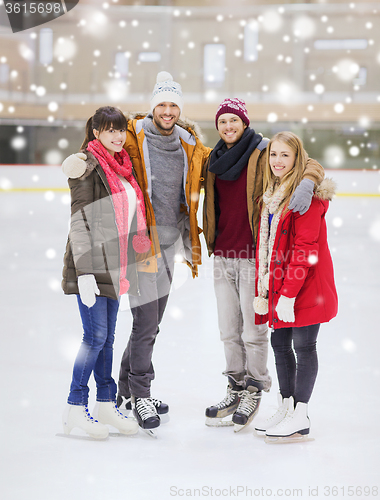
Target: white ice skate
[[294, 428], [264, 424], [79, 416], [216, 414], [108, 413]]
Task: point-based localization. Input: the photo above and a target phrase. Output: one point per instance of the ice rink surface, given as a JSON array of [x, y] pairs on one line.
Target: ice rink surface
[[41, 331]]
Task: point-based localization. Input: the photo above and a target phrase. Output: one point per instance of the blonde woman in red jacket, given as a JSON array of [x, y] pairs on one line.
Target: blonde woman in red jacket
[[295, 283]]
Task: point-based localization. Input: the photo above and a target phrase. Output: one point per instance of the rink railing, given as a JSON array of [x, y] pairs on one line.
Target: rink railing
[[45, 178]]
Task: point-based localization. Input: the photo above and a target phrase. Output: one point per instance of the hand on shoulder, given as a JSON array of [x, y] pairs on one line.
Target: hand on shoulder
[[74, 166]]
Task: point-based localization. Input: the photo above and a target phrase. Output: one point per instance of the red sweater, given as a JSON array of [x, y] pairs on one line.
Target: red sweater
[[233, 235]]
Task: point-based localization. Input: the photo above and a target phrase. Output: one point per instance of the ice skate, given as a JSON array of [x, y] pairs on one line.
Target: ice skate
[[294, 428], [126, 404], [108, 413], [146, 414], [216, 414], [248, 407], [79, 416], [264, 424]]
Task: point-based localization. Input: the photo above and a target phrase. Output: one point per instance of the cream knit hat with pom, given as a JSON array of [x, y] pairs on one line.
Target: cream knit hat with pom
[[166, 90]]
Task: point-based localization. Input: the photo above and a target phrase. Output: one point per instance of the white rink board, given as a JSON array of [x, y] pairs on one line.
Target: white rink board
[[45, 176]]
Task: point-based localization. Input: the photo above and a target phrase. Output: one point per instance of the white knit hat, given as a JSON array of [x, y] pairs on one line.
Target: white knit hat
[[166, 90]]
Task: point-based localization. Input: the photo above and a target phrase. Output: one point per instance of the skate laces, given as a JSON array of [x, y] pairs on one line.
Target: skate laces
[[285, 420], [118, 412], [275, 415], [228, 399], [88, 414], [145, 408], [156, 402], [248, 402]]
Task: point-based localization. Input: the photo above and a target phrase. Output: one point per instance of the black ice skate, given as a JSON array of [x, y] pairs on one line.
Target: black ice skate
[[126, 404], [146, 414], [215, 414], [248, 406]]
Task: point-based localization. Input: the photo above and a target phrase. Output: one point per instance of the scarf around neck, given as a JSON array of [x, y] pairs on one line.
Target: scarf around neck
[[272, 200], [114, 166], [228, 163]]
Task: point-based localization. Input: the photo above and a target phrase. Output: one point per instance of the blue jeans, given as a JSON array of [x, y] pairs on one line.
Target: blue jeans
[[96, 352], [296, 377]]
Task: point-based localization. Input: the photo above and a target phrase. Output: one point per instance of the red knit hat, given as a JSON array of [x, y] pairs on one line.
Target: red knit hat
[[236, 107]]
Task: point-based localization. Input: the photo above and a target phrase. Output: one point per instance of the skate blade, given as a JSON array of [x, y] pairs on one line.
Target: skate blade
[[81, 437], [259, 433], [118, 434], [150, 432], [240, 427], [218, 422], [294, 438]]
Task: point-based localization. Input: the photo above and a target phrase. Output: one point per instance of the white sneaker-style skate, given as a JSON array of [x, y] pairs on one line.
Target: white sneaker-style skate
[[216, 413], [248, 407], [79, 416], [264, 424], [295, 427], [107, 412]]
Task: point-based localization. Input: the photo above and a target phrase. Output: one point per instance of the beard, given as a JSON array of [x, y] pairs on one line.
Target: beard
[[164, 128]]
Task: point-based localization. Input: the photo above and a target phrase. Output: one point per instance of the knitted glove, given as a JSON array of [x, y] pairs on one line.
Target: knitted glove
[[285, 309], [87, 289], [301, 199], [74, 166]]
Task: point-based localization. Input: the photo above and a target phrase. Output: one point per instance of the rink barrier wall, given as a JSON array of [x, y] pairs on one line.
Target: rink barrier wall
[[16, 178]]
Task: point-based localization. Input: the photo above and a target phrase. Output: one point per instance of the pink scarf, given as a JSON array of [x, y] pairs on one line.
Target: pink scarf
[[112, 167]]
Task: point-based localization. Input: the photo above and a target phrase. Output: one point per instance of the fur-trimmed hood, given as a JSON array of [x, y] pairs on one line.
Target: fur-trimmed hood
[[183, 122], [326, 189]]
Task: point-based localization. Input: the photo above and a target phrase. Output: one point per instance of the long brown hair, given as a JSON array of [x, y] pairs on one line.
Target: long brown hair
[[296, 173], [103, 119]]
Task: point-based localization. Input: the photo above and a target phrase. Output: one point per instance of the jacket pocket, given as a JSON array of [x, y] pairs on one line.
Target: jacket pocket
[[307, 296]]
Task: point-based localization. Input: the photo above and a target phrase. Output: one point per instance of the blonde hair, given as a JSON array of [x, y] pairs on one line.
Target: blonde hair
[[296, 174]]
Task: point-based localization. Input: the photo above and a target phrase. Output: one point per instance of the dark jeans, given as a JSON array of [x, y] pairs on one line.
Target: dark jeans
[[297, 365], [136, 370], [96, 352]]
